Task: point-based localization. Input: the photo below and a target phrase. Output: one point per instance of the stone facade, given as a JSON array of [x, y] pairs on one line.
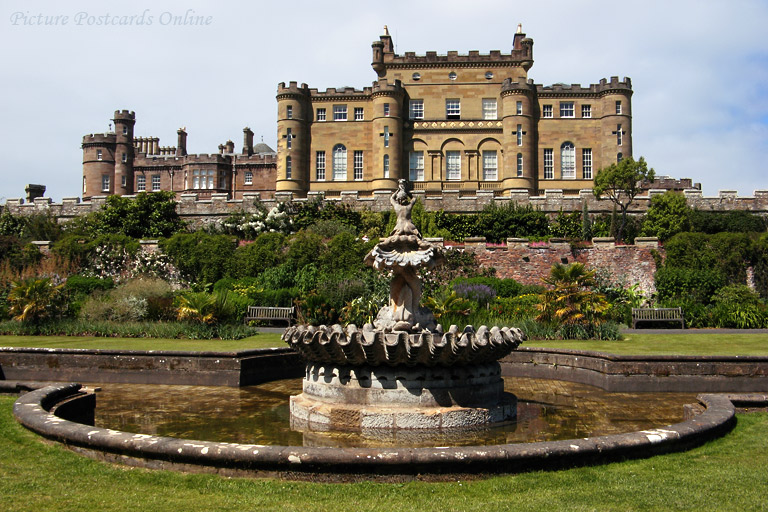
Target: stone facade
[[119, 163], [463, 123]]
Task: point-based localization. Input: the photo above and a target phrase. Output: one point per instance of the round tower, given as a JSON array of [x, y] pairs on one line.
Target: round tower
[[98, 164], [387, 126], [616, 122], [124, 122], [520, 165], [294, 114]]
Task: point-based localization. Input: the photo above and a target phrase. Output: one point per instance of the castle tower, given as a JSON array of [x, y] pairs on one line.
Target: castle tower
[[98, 164], [520, 135], [294, 114], [123, 156], [616, 123], [387, 126]]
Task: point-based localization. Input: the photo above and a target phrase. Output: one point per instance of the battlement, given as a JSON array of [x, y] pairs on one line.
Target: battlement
[[574, 89], [99, 138], [125, 114], [292, 89], [454, 58]]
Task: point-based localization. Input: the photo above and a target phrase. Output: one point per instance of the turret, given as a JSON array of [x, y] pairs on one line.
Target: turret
[[123, 156], [380, 47], [616, 98], [387, 126], [518, 100], [294, 114]]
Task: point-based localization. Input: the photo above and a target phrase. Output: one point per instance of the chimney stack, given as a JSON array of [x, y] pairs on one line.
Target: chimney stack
[[181, 145]]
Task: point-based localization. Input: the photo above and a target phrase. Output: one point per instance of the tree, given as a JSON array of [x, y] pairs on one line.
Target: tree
[[668, 215], [149, 215], [34, 299], [620, 183]]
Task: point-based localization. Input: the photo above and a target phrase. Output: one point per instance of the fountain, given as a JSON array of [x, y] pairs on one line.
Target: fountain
[[403, 372]]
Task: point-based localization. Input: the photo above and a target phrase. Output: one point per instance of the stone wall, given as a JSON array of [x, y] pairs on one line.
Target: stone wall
[[528, 263], [198, 211]]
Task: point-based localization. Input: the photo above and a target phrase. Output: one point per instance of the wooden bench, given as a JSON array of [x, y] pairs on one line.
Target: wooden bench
[[657, 315], [269, 313]]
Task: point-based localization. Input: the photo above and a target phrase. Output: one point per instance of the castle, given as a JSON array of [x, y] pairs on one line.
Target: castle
[[119, 163], [469, 123]]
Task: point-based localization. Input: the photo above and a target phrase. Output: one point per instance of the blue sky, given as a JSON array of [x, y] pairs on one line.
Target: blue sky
[[699, 71]]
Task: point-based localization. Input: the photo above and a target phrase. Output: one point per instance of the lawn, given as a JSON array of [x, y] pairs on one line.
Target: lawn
[[688, 343], [262, 340], [730, 473]]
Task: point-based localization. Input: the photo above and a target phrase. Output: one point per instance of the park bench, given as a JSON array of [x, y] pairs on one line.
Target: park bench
[[657, 315], [269, 313]]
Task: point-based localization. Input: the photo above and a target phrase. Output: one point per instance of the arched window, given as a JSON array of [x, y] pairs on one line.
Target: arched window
[[386, 166], [619, 157], [568, 161], [339, 162]]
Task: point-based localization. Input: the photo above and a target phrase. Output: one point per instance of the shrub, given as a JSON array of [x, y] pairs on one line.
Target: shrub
[[252, 259], [480, 294], [668, 215], [674, 283], [738, 221], [200, 257], [498, 223], [33, 300], [567, 225]]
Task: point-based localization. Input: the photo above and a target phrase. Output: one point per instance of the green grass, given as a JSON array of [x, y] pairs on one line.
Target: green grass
[[262, 340], [730, 473], [691, 343]]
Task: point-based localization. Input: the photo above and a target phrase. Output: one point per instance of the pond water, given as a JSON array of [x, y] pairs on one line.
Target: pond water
[[547, 410]]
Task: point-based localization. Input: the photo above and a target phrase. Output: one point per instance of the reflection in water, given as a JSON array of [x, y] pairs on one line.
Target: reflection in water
[[547, 410]]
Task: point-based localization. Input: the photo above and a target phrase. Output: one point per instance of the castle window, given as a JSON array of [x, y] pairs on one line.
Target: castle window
[[488, 75], [339, 112], [123, 181], [85, 185], [359, 114], [489, 108], [320, 165], [618, 135], [98, 154], [586, 111], [416, 77], [519, 164], [289, 112], [519, 135], [546, 111], [566, 109], [519, 108], [452, 165], [586, 163], [339, 162], [619, 157], [618, 107], [416, 109], [125, 157], [288, 139], [386, 136], [321, 114], [386, 110], [141, 183], [490, 166], [567, 161], [416, 165], [452, 75], [248, 179], [155, 182], [453, 109], [125, 130], [357, 161], [386, 166], [105, 183], [288, 168], [549, 164]]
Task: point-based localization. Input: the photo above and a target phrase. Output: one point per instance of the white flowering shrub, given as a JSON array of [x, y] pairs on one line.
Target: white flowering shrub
[[249, 226]]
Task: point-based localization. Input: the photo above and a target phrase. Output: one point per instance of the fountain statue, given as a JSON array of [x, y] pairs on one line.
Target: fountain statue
[[403, 371]]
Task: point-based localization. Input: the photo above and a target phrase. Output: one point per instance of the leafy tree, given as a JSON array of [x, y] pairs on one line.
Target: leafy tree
[[149, 215], [252, 259], [620, 183], [567, 225], [738, 221], [668, 215], [201, 258]]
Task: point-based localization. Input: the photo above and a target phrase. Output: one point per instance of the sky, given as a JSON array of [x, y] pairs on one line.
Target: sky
[[699, 71]]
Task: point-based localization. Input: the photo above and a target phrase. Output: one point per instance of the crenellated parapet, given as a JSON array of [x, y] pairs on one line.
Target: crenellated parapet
[[603, 87]]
